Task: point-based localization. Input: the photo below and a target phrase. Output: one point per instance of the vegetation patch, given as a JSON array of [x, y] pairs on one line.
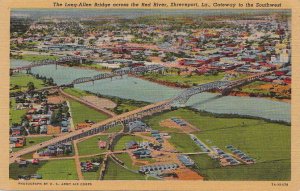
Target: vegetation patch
[[116, 172], [90, 146], [125, 139], [20, 82], [81, 113], [30, 141]]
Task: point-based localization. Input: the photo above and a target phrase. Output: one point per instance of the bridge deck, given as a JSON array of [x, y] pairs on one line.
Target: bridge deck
[[15, 155]]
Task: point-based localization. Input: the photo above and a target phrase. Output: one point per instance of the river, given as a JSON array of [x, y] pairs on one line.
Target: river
[[142, 90]]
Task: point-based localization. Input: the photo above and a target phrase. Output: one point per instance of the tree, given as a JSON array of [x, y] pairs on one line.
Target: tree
[[30, 86]]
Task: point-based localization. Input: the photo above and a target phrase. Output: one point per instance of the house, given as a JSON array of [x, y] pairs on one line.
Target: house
[[64, 123], [23, 163], [131, 145], [17, 141], [186, 160], [16, 131], [43, 129], [35, 161], [142, 153], [102, 144], [137, 126]]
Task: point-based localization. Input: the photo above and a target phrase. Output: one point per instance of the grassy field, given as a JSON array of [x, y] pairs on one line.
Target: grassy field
[[19, 81], [97, 67], [90, 146], [37, 57], [80, 113], [90, 175], [59, 170], [127, 161], [268, 143], [15, 171], [270, 170], [125, 139], [183, 143], [50, 170], [185, 80], [204, 162], [15, 115], [27, 156], [254, 87], [76, 92], [33, 141], [115, 172]]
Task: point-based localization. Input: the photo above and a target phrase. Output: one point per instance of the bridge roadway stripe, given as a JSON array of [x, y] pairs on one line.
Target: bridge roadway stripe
[[14, 156]]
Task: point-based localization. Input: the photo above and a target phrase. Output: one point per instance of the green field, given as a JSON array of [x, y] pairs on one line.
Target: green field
[[15, 171], [15, 115], [50, 170], [116, 172], [183, 143], [38, 57], [125, 139], [127, 161], [90, 146], [28, 155], [270, 170], [268, 143], [33, 141], [80, 113], [76, 92], [189, 80], [253, 87], [19, 81], [90, 175], [97, 67]]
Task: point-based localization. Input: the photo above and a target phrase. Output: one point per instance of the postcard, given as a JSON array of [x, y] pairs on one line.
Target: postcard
[[146, 95]]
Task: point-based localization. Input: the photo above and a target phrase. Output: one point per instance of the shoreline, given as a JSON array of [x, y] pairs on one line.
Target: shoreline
[[176, 85], [232, 93]]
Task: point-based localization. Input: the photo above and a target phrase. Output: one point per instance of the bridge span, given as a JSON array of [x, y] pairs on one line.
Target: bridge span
[[148, 110], [120, 72], [96, 128], [224, 86], [62, 60]]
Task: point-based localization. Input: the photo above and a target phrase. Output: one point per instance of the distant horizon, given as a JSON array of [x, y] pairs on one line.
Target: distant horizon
[[132, 13]]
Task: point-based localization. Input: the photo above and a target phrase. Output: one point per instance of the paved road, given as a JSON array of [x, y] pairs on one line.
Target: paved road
[[14, 156]]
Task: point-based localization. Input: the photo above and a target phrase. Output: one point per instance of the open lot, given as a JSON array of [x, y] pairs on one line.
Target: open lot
[[124, 157], [37, 57], [76, 92], [268, 143], [58, 170], [19, 81], [90, 146], [188, 80], [80, 113], [116, 172], [183, 143], [14, 114], [50, 170], [33, 141], [100, 102]]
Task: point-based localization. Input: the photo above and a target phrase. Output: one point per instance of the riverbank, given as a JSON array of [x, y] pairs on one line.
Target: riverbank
[[232, 93]]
